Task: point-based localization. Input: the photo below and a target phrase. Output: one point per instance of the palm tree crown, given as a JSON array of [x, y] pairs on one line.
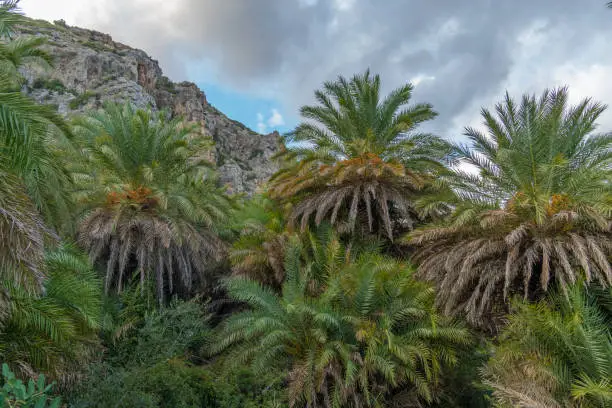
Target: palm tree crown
[[357, 155], [151, 198], [538, 211]]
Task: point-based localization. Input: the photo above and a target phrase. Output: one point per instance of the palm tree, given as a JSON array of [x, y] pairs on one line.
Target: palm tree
[[538, 212], [53, 332], [150, 199], [557, 353], [33, 184], [359, 157], [370, 328], [259, 250]]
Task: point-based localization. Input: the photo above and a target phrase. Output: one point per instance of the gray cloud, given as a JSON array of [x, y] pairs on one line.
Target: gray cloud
[[465, 53]]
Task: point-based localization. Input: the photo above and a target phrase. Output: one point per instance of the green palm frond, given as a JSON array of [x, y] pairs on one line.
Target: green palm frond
[[9, 17], [53, 331], [556, 353], [259, 248]]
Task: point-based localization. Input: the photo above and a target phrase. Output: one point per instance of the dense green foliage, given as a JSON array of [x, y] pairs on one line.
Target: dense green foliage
[[154, 363], [556, 353], [366, 329], [131, 279]]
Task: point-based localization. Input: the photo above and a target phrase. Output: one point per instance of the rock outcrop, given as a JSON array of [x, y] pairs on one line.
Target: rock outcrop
[[90, 68]]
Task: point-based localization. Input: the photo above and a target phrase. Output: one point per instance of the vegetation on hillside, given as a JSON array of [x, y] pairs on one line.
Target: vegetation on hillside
[[380, 267]]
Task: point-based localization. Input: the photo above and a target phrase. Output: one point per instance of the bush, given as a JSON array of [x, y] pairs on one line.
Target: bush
[[164, 83], [155, 364], [53, 85], [150, 365], [242, 388], [82, 99], [174, 383]]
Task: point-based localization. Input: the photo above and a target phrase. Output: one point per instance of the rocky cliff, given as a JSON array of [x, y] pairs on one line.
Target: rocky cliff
[[90, 68]]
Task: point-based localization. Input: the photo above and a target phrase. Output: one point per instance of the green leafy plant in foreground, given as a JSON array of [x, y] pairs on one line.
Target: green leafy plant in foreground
[[14, 393]]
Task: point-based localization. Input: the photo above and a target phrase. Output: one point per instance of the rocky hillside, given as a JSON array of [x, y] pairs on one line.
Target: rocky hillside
[[90, 68]]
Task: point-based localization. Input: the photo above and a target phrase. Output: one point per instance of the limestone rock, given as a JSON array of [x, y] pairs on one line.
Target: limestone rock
[[90, 68]]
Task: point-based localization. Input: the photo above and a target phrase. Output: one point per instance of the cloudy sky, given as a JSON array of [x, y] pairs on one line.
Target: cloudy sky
[[259, 60]]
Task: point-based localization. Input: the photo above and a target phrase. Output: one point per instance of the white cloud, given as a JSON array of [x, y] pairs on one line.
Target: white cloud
[[344, 5], [276, 119], [261, 126], [308, 3], [421, 78], [68, 10], [591, 81]]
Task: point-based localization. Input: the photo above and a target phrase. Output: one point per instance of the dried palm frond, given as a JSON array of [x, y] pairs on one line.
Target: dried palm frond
[[141, 246]]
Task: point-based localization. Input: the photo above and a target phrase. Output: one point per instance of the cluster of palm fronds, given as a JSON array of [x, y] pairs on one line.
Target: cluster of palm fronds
[[536, 215], [359, 157], [54, 331], [259, 249], [557, 353], [149, 198], [349, 337]]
